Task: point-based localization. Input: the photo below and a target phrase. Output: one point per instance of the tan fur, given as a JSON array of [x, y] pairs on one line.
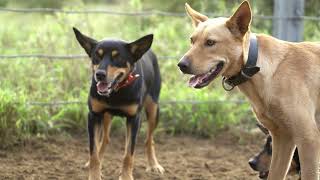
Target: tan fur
[[114, 53], [107, 119], [285, 93], [94, 159], [264, 162], [130, 109], [195, 16], [100, 52], [98, 106], [94, 67], [151, 111], [113, 72], [94, 167], [127, 165], [101, 138], [293, 168], [134, 48]]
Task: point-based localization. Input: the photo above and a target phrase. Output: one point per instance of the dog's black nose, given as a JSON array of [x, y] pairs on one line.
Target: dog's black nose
[[100, 75], [184, 65], [253, 163]]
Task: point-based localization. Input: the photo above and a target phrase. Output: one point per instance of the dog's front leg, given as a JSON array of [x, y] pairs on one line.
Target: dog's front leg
[[309, 152], [282, 152], [107, 119], [152, 112], [307, 138], [133, 124], [94, 131]]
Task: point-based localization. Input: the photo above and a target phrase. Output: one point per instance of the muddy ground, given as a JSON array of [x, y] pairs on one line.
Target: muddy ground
[[184, 158]]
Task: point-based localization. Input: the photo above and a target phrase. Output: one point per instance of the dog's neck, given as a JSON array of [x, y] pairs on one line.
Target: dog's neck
[[246, 47], [258, 87], [248, 66], [128, 81]]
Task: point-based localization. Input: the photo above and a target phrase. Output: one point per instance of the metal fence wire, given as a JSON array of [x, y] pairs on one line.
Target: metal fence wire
[[119, 13], [163, 102], [64, 57]]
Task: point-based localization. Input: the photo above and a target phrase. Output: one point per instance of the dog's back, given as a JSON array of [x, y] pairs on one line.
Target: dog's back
[[149, 68]]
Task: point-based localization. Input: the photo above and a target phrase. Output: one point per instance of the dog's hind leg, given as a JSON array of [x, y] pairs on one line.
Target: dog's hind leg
[[94, 130], [282, 151], [152, 111], [133, 125]]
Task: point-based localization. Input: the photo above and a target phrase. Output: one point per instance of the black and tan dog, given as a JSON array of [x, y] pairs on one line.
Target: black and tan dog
[[125, 79], [261, 161]]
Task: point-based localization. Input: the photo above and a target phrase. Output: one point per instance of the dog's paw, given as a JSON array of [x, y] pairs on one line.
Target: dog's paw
[[95, 175], [155, 168], [94, 171], [126, 177]]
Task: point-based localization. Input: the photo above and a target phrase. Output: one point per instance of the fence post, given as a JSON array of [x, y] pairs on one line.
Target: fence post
[[287, 25]]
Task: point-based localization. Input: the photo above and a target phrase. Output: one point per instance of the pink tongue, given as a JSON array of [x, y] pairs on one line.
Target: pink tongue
[[194, 80], [102, 86]]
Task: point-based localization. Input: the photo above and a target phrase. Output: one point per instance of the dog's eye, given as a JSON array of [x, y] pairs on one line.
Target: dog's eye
[[210, 42], [100, 53]]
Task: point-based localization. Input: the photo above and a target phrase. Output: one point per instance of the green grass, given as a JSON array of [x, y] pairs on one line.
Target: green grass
[[45, 80]]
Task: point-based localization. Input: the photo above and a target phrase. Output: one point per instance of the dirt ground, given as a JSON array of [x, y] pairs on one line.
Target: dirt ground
[[184, 158]]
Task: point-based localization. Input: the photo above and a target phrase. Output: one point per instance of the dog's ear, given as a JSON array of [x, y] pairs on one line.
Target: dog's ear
[[140, 46], [240, 21], [86, 42], [195, 16], [263, 129]]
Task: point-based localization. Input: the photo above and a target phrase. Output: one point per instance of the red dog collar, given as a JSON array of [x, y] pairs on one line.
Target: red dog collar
[[130, 79]]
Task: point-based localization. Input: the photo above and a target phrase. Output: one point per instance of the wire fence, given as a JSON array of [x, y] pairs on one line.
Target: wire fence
[[140, 13], [64, 57], [120, 13], [117, 13], [163, 102]]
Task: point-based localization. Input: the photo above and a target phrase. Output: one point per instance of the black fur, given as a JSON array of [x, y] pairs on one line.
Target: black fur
[[296, 159], [94, 120], [143, 62]]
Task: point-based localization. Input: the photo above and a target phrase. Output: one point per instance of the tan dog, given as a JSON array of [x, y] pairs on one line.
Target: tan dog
[[284, 94]]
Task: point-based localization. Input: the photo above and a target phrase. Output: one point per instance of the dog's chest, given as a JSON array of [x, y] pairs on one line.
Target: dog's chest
[[98, 106]]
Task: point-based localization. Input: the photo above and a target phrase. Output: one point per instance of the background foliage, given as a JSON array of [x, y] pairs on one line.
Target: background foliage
[[45, 80]]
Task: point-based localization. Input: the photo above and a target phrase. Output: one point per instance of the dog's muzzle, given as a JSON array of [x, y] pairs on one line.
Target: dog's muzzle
[[100, 75], [184, 65]]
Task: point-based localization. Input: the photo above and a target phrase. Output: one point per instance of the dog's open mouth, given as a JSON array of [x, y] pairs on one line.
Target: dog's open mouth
[[263, 174], [104, 88], [202, 80]]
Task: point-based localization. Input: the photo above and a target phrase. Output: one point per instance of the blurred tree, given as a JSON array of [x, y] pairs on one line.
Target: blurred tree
[[39, 3], [216, 7], [312, 7], [3, 3], [100, 1]]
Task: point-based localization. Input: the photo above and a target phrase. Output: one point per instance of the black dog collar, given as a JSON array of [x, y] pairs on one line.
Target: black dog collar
[[249, 68]]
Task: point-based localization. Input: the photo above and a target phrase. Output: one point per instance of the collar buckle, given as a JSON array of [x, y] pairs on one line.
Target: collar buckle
[[248, 70], [228, 86]]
